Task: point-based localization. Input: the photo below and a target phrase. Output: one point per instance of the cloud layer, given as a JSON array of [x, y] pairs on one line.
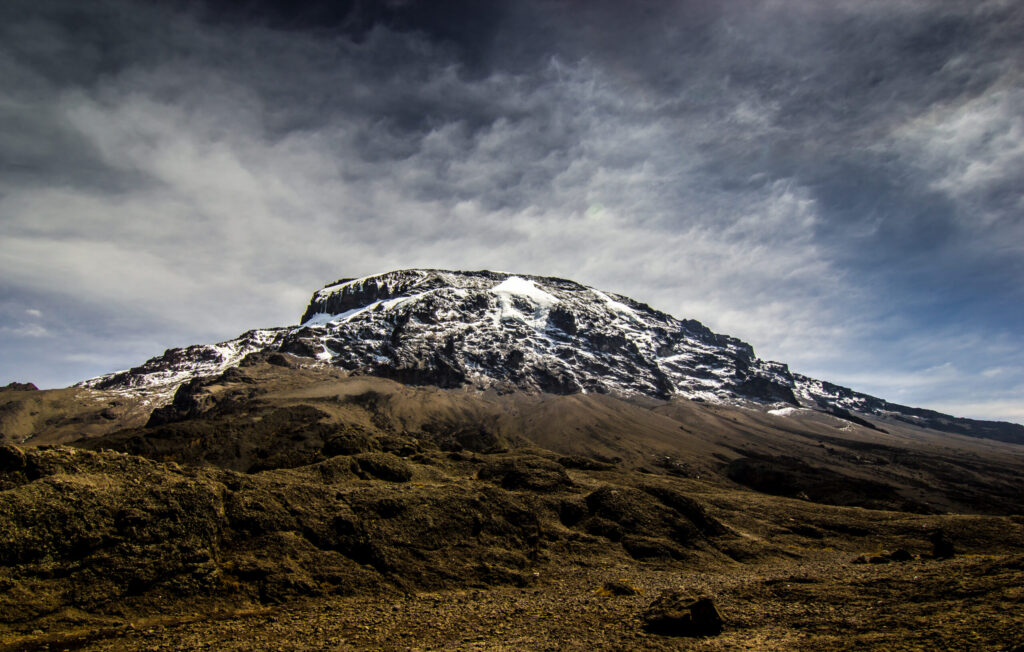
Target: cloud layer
[[837, 184]]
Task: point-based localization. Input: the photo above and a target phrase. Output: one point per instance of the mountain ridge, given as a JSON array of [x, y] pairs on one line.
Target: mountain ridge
[[516, 332]]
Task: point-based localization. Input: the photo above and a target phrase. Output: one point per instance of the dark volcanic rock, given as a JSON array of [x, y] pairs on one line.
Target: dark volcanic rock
[[617, 588], [763, 389], [227, 434], [618, 510], [282, 360], [384, 466], [89, 529], [674, 613], [942, 546], [12, 458], [20, 387], [189, 401], [846, 415], [351, 442]]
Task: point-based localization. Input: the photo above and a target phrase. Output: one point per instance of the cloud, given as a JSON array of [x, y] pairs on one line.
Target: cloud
[[1003, 410], [212, 198], [799, 175], [26, 330], [972, 151]]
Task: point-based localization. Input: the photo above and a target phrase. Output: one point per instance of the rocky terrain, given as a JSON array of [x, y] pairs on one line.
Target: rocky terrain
[[513, 333], [440, 460]]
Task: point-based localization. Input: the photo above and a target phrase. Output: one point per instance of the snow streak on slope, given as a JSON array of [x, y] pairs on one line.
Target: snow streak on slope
[[157, 378]]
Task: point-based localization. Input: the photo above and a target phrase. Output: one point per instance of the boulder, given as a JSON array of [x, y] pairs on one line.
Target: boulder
[[12, 458], [617, 589], [675, 613], [942, 547]]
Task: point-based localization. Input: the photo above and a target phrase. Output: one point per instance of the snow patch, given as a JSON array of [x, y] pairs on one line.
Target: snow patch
[[518, 286], [323, 318], [618, 307], [784, 412]]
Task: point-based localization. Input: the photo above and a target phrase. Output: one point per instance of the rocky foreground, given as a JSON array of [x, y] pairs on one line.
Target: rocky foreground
[[511, 550], [274, 506]]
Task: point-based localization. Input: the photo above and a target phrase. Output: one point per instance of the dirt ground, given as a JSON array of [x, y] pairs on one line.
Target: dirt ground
[[972, 602]]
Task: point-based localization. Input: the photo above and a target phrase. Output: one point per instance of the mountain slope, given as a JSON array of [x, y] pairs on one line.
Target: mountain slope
[[510, 332], [264, 415]]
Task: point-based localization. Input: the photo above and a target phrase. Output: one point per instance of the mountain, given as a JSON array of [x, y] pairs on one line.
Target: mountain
[[457, 460], [517, 332]]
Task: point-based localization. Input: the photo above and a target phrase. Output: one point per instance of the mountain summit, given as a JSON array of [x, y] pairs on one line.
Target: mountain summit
[[525, 332], [511, 332]]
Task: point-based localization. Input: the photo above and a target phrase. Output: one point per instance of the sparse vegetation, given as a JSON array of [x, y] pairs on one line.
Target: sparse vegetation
[[316, 511]]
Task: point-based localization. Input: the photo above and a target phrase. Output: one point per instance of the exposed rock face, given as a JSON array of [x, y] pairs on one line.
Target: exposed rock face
[[486, 328], [840, 401], [496, 330], [166, 372]]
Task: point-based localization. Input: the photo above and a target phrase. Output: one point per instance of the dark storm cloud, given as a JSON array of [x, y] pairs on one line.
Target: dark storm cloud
[[836, 182]]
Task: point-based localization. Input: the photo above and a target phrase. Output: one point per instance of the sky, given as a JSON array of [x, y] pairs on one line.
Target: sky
[[840, 184]]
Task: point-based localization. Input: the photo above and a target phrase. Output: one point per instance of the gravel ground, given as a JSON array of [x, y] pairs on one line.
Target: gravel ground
[[819, 603]]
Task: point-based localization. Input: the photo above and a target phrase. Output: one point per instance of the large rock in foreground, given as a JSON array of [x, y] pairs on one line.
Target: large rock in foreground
[[674, 613]]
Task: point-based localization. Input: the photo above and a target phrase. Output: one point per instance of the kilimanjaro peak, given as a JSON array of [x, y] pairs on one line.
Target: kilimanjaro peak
[[527, 332], [496, 330]]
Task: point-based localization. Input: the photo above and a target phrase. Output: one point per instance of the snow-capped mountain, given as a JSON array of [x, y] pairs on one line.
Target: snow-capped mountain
[[492, 329]]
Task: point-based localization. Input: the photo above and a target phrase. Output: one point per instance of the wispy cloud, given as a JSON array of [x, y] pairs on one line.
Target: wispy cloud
[[25, 330], [833, 183], [972, 150]]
